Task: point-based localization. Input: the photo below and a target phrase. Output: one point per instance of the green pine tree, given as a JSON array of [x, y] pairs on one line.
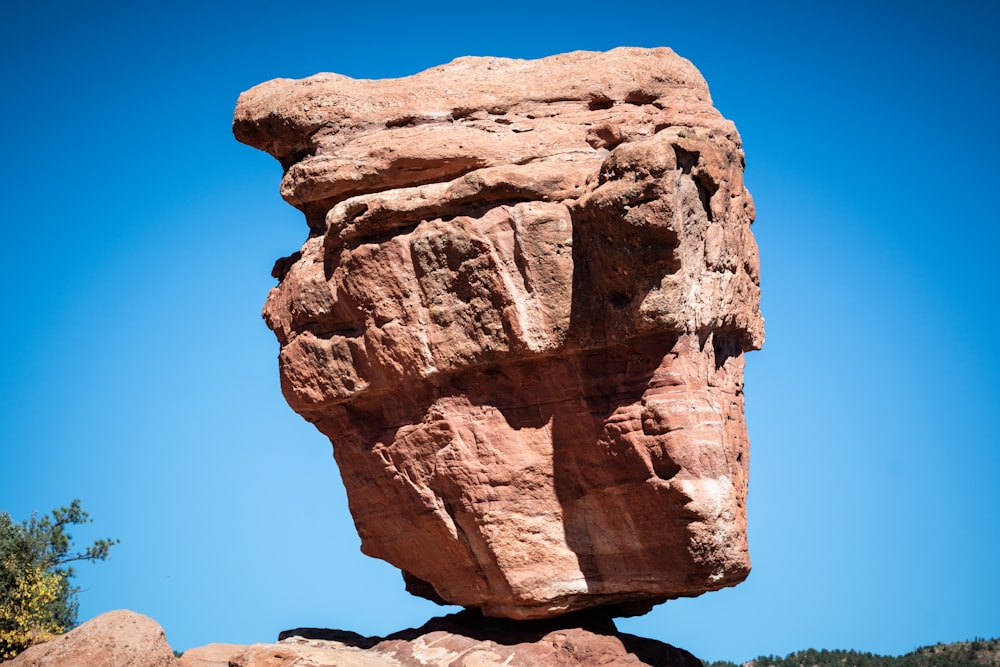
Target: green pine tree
[[37, 600]]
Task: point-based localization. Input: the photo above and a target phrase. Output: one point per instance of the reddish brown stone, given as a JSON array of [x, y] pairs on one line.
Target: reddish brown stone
[[116, 639], [469, 640], [210, 655], [520, 317]]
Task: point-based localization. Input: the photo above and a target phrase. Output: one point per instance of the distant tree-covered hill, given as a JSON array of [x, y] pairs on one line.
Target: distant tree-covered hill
[[976, 653]]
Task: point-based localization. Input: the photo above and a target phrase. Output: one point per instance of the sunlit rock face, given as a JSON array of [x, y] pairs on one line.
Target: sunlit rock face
[[520, 317]]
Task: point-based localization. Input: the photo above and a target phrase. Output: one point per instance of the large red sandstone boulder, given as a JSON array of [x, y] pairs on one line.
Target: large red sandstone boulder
[[116, 639], [520, 317]]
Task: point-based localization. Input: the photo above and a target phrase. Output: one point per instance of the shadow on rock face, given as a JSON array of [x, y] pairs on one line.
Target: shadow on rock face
[[587, 637]]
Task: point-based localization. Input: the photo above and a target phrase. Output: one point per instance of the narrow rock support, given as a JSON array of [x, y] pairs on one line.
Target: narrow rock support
[[520, 317]]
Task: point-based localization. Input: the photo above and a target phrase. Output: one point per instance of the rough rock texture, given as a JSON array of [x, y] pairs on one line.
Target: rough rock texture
[[520, 317], [465, 640], [116, 639], [210, 655]]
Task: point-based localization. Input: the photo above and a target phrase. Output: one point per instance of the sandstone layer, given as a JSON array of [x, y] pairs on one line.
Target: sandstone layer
[[459, 640], [520, 317]]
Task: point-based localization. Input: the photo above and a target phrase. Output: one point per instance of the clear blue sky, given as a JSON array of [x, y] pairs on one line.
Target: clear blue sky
[[138, 237]]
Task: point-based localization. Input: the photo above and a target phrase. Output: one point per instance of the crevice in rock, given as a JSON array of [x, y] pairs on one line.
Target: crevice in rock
[[459, 113], [600, 101], [284, 264], [330, 329], [640, 97], [619, 300], [288, 159], [725, 346], [687, 161], [412, 121], [705, 196]]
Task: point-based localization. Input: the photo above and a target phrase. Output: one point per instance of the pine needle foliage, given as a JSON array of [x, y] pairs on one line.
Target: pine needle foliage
[[976, 653], [37, 600]]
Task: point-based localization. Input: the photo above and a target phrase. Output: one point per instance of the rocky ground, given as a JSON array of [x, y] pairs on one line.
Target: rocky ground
[[124, 638]]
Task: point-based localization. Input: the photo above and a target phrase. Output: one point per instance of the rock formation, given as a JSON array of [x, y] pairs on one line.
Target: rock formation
[[116, 639], [520, 317], [126, 639], [468, 640], [210, 655]]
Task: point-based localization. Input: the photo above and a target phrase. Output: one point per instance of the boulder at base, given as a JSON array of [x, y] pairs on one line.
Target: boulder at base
[[465, 639], [120, 638]]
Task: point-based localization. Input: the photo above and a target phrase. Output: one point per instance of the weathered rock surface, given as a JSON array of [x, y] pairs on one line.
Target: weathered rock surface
[[210, 655], [462, 640], [116, 639], [520, 317]]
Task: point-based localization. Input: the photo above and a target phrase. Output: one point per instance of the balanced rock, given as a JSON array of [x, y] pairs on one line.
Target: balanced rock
[[520, 317]]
